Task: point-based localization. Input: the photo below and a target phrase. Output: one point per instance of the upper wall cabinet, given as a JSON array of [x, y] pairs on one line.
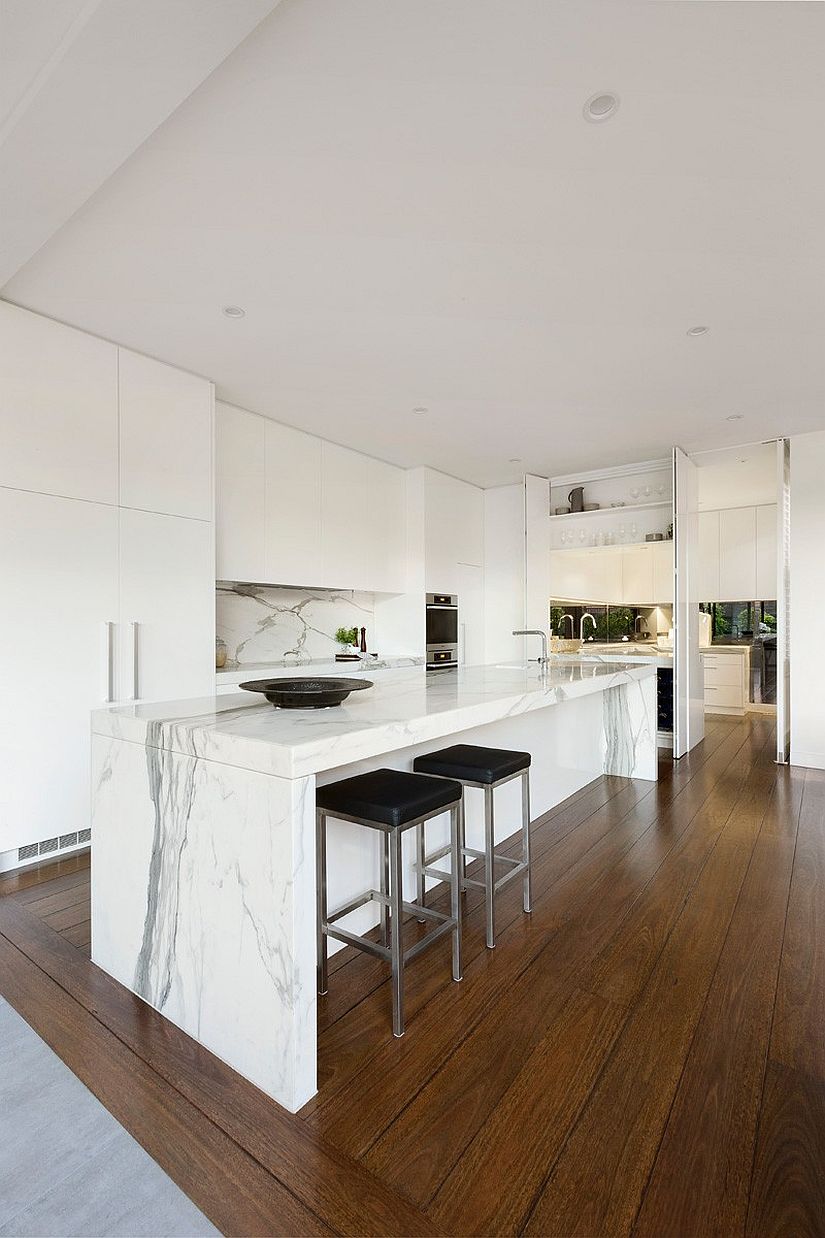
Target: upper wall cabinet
[[240, 494], [165, 438], [454, 530], [58, 406], [293, 507], [737, 554], [707, 568]]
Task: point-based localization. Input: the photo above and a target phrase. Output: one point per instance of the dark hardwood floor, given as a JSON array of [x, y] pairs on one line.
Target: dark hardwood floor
[[644, 1054]]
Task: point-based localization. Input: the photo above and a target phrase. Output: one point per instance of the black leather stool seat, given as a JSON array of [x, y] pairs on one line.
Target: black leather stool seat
[[473, 763], [388, 796]]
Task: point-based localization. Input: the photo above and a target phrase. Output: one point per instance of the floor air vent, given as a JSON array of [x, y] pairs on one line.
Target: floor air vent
[[46, 846]]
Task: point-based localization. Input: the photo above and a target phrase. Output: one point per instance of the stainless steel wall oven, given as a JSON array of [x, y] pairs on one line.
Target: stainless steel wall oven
[[442, 630]]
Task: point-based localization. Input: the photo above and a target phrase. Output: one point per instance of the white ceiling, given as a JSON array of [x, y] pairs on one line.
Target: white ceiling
[[406, 200], [82, 84]]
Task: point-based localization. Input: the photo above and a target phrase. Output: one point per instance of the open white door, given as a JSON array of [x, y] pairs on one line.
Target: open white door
[[688, 675], [783, 600]]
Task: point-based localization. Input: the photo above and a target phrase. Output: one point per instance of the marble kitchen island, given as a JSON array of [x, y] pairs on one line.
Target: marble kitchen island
[[203, 833]]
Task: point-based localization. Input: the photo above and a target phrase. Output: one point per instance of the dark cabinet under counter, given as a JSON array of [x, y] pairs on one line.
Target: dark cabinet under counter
[[664, 698]]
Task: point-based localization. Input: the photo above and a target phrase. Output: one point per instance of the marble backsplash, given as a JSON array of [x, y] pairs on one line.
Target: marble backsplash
[[260, 623]]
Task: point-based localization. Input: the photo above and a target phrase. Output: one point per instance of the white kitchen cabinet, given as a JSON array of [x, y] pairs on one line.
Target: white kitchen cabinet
[[726, 681], [293, 507], [345, 517], [766, 546], [591, 575], [662, 572], [637, 574], [707, 566], [240, 494], [165, 438], [58, 408], [470, 581], [386, 528], [58, 563], [166, 636], [737, 554], [454, 530]]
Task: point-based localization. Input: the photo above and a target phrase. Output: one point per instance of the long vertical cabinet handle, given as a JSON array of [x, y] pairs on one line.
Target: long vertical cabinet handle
[[135, 695], [108, 660]]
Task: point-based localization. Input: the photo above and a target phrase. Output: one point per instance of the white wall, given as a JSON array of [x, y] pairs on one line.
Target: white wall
[[807, 599], [504, 548], [741, 477]]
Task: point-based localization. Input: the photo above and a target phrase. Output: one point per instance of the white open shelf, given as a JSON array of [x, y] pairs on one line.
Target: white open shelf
[[626, 509], [557, 550]]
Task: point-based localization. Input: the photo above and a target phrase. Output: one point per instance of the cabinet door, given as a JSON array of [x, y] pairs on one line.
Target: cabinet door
[[471, 614], [766, 566], [58, 563], [240, 495], [662, 572], [707, 567], [637, 574], [167, 589], [58, 408], [454, 530], [737, 554], [293, 507], [346, 509], [165, 438], [386, 536]]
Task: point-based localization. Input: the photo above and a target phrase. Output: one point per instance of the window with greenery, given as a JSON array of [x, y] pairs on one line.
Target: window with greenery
[[741, 620]]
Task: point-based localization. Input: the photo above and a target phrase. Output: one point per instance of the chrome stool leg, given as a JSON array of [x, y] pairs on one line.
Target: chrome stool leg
[[421, 846], [396, 924], [321, 860], [456, 867], [489, 866], [385, 889], [525, 838]]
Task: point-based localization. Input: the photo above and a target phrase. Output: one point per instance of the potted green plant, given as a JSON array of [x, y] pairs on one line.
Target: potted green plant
[[347, 638]]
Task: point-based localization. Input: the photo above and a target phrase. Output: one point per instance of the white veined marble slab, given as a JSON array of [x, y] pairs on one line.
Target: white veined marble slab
[[402, 709]]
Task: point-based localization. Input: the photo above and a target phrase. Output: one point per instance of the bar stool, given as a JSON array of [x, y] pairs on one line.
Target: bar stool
[[392, 802], [487, 768]]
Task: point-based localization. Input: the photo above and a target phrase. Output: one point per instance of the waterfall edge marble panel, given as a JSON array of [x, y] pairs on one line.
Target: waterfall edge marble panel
[[203, 904], [629, 724]]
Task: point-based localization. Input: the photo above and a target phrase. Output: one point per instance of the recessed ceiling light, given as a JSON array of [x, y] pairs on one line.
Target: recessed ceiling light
[[600, 107], [735, 417], [698, 330], [420, 409], [515, 460], [233, 311]]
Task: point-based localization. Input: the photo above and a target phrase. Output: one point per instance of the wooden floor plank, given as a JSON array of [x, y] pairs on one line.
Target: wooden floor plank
[[598, 1181], [787, 1194], [492, 1186], [701, 1179], [798, 1038]]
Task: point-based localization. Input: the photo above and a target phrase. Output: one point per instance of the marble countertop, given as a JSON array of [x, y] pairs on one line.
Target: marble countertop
[[403, 708]]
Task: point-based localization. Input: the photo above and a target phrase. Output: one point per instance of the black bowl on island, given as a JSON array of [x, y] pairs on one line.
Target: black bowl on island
[[305, 693]]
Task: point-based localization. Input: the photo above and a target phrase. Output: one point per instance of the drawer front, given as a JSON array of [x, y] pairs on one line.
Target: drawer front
[[725, 674], [729, 696]]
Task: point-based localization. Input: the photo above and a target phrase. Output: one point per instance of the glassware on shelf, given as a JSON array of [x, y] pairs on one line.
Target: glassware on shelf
[[634, 532], [563, 538], [647, 492], [600, 539], [634, 493], [622, 533], [592, 538], [582, 536], [660, 490]]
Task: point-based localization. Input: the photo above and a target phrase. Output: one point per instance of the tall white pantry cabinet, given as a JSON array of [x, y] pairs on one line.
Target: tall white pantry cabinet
[[106, 555]]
